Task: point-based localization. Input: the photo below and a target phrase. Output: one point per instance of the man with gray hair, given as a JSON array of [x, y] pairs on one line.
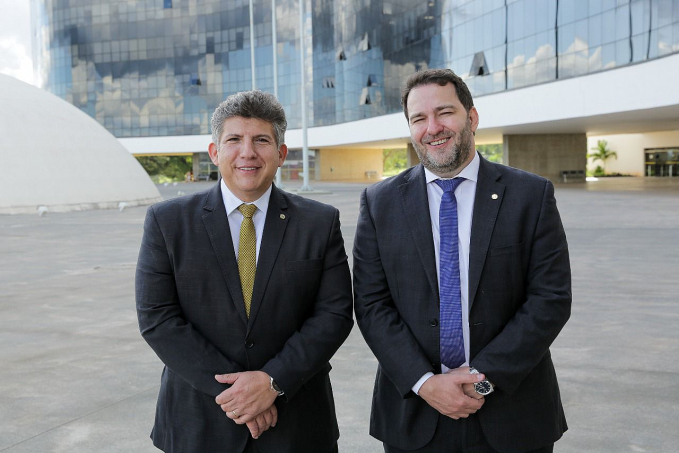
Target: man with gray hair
[[243, 291]]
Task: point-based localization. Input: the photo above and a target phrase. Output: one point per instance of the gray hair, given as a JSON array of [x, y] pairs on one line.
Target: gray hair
[[251, 104]]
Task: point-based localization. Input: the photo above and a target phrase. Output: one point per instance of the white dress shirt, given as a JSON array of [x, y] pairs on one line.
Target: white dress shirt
[[465, 195], [231, 203]]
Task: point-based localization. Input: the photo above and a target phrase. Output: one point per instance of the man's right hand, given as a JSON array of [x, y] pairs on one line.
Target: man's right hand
[[444, 393], [263, 421]]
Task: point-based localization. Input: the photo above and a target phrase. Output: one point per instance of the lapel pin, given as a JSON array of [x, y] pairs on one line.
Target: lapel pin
[[494, 196], [282, 216]]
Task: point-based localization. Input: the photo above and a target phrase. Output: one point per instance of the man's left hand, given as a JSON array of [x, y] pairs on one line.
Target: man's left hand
[[263, 421], [468, 389], [250, 394]]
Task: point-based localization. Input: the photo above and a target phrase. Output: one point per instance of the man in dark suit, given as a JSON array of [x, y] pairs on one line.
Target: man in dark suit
[[461, 284], [244, 292]]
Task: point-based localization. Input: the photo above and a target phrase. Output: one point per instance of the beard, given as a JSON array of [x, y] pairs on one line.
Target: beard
[[459, 151]]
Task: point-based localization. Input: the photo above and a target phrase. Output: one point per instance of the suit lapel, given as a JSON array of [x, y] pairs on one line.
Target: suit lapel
[[217, 226], [274, 229], [416, 208], [489, 193]]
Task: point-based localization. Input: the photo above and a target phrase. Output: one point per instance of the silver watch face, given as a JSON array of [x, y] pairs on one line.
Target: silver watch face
[[483, 388]]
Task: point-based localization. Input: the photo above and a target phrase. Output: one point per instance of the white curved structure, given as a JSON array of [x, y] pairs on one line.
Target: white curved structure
[[69, 161]]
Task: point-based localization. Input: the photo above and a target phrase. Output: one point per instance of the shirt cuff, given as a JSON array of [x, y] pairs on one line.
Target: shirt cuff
[[418, 384]]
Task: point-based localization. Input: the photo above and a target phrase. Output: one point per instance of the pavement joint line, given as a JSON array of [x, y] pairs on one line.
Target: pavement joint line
[[81, 417]]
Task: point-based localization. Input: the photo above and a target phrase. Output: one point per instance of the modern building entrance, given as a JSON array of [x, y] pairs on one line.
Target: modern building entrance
[[662, 161]]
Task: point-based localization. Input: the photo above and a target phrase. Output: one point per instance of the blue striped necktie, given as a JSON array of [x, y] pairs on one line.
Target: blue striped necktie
[[450, 309]]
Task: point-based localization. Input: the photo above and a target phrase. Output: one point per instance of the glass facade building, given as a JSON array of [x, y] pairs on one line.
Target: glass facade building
[[146, 68]]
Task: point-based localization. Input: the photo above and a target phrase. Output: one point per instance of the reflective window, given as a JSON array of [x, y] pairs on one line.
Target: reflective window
[[160, 67]]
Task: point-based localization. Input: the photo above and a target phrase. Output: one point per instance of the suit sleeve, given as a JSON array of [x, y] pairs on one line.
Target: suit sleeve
[[310, 348], [525, 340], [176, 342], [398, 351]]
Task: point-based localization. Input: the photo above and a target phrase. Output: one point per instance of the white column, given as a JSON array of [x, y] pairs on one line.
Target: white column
[[305, 147], [274, 41]]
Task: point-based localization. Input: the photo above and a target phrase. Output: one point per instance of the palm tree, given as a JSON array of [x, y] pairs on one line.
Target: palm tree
[[602, 153]]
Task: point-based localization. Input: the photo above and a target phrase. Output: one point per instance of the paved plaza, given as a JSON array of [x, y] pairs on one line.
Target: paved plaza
[[76, 376]]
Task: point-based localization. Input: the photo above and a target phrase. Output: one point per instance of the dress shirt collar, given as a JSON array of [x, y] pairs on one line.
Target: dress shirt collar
[[231, 202], [470, 172]]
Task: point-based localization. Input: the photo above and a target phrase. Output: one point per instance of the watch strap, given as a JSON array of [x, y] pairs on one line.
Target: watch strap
[[484, 387], [273, 386]]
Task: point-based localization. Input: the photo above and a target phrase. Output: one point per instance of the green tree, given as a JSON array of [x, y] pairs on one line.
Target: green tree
[[166, 168], [394, 161], [602, 152], [491, 152]]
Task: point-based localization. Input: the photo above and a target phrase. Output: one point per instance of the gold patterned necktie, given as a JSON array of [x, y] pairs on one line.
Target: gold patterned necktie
[[247, 253]]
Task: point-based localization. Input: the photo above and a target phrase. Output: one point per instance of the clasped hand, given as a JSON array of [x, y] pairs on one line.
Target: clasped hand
[[453, 394], [249, 400]]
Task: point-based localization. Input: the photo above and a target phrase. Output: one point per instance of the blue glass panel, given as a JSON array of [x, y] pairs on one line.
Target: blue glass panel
[[530, 17], [581, 9], [566, 38], [608, 26], [514, 32], [595, 25], [595, 58], [581, 34], [664, 12], [530, 47], [665, 40], [545, 70], [595, 7], [639, 47], [581, 62], [498, 26], [622, 52], [566, 65], [622, 19], [543, 21], [640, 16], [566, 11]]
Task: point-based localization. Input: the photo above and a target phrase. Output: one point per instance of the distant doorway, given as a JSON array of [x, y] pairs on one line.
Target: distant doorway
[[662, 162], [204, 169]]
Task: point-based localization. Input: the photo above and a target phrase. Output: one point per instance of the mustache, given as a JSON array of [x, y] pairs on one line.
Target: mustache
[[430, 138]]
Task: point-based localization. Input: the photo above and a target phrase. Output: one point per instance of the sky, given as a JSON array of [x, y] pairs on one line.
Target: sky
[[15, 40]]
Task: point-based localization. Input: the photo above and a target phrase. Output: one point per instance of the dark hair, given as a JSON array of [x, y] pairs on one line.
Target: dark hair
[[251, 104], [441, 77]]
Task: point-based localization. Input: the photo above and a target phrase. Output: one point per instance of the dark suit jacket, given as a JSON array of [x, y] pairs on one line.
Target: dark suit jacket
[[519, 293], [191, 312]]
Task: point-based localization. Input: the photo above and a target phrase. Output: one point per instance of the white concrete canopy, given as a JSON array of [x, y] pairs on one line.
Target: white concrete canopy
[[55, 155], [633, 98]]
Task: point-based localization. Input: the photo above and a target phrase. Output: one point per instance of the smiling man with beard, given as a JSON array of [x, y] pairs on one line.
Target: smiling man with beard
[[461, 284]]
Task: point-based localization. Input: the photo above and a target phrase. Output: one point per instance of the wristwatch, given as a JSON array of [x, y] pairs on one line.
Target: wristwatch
[[482, 387], [275, 387]]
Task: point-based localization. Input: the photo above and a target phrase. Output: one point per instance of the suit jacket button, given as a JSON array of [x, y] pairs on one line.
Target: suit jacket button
[[433, 322], [249, 344]]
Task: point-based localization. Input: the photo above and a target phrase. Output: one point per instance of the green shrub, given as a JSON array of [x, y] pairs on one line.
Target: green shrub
[[163, 169]]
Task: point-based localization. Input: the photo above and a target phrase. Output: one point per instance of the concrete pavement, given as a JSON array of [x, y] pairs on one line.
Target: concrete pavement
[[76, 375]]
